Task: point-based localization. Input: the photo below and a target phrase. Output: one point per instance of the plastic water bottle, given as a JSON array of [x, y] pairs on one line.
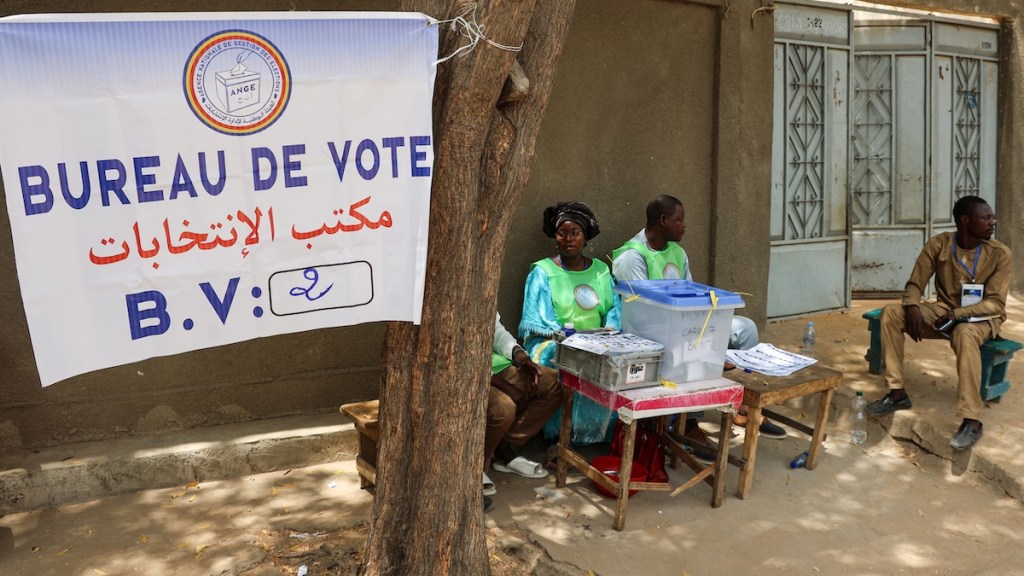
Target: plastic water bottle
[[809, 336], [800, 460], [859, 428]]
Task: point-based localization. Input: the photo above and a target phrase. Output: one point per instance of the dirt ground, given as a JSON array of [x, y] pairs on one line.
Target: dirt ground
[[340, 552], [903, 505]]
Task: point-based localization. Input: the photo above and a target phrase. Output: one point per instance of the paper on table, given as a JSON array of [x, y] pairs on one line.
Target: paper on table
[[610, 344], [768, 360]]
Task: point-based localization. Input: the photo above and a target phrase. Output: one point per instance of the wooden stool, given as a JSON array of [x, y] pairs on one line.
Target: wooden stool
[[760, 391], [364, 416], [995, 358]]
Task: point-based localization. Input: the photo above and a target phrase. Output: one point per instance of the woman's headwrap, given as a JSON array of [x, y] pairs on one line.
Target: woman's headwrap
[[578, 212]]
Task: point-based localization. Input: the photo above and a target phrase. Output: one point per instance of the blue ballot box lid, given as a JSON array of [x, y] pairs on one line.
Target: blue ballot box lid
[[677, 294]]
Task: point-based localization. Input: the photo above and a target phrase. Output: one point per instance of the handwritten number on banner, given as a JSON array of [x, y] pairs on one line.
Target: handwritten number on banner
[[313, 276]]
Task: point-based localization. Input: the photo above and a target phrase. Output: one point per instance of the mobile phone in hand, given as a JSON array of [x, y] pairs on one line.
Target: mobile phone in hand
[[944, 324]]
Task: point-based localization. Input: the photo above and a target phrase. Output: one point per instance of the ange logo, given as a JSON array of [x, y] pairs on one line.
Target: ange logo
[[237, 82]]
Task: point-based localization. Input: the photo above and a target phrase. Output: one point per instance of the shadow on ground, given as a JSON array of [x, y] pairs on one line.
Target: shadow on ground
[[903, 503]]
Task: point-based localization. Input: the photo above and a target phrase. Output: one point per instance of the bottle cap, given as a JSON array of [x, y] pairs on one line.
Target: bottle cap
[[859, 393], [810, 323], [570, 325]]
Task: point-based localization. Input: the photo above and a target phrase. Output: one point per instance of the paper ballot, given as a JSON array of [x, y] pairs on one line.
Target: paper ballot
[[769, 360]]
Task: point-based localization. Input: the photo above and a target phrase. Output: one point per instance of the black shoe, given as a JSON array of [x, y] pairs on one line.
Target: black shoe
[[966, 436], [886, 405], [700, 446], [769, 429]]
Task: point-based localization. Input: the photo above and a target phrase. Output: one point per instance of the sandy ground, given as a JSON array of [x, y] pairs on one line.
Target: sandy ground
[[906, 506]]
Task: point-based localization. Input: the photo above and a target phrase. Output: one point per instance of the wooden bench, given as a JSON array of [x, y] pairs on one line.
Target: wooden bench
[[995, 358], [364, 416]]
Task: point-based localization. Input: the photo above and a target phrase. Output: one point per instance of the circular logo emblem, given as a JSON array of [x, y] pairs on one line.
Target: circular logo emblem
[[237, 82], [671, 272], [586, 297]]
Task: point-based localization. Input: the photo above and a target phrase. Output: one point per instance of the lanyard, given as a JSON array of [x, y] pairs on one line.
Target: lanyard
[[977, 252]]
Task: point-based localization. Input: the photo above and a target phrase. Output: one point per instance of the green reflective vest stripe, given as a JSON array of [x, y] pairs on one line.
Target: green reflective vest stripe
[[583, 298], [499, 363], [658, 261]]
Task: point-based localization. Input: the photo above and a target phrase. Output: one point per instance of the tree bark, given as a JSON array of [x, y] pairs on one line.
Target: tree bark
[[427, 514]]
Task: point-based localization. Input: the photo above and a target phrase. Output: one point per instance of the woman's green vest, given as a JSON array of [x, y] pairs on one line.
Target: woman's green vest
[[583, 298]]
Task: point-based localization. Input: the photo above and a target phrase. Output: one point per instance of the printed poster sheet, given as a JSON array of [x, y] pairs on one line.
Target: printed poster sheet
[[182, 181], [768, 360]]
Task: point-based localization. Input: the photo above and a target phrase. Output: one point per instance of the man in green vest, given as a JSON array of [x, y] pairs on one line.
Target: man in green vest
[[654, 253], [522, 397]]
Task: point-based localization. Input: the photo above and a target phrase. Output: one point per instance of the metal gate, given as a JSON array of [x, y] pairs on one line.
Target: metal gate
[[808, 268], [923, 135]]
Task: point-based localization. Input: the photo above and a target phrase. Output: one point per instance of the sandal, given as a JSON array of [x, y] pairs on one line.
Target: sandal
[[522, 467]]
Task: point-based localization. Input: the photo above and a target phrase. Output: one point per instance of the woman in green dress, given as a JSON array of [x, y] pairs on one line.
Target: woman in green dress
[[569, 288]]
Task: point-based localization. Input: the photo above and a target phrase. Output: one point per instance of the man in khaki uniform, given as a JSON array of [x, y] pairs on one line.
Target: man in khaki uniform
[[972, 278], [523, 396]]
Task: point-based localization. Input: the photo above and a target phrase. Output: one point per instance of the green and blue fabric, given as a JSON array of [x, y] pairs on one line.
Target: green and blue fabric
[[553, 297]]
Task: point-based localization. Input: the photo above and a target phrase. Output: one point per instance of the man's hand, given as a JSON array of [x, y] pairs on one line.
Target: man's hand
[[529, 370], [914, 325], [517, 397], [946, 319]]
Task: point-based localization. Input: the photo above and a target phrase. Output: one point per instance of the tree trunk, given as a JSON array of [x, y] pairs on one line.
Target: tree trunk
[[427, 514]]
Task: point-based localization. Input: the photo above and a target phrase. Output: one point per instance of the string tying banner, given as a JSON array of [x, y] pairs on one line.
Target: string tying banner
[[466, 25]]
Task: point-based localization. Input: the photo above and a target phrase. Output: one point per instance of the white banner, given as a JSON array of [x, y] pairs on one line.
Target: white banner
[[182, 181]]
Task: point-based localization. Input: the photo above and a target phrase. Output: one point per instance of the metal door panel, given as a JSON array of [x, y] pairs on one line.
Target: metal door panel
[[807, 277], [911, 147], [964, 132], [923, 135], [872, 140], [812, 24], [777, 217], [810, 156], [889, 38], [942, 144], [883, 259], [836, 145], [966, 137], [888, 173], [989, 103], [966, 40], [805, 142]]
